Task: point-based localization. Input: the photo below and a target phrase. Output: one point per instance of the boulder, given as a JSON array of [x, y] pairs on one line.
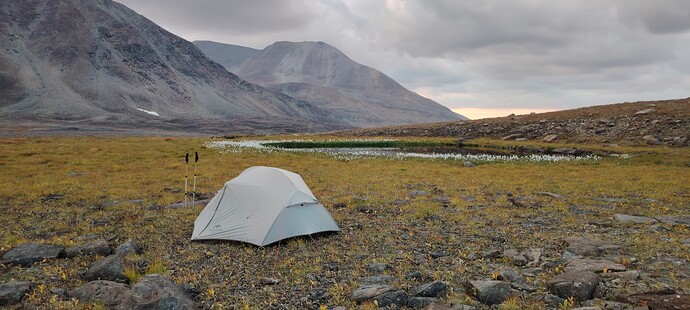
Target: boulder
[[593, 265], [590, 246], [440, 306], [108, 293], [384, 295], [645, 111], [662, 300], [625, 218], [13, 292], [578, 284], [129, 247], [156, 292], [490, 292], [110, 268], [26, 254], [433, 289], [420, 302], [96, 247]]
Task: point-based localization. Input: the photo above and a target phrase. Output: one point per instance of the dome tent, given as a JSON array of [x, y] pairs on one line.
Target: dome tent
[[261, 206]]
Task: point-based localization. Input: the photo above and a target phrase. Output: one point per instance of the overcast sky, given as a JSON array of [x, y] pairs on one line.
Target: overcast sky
[[478, 57]]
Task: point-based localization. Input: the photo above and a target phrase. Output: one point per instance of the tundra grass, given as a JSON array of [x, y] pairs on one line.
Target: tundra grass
[[54, 190]]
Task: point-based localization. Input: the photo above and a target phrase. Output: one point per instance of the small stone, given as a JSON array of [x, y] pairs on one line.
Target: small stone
[[490, 292], [433, 289], [579, 284], [674, 220], [13, 292], [384, 295], [97, 247], [420, 302], [645, 111], [510, 275], [624, 218], [417, 193], [550, 138], [467, 164], [492, 253], [378, 267], [379, 279], [268, 281], [157, 293], [108, 293], [111, 268], [414, 275], [129, 247], [593, 265], [26, 254]]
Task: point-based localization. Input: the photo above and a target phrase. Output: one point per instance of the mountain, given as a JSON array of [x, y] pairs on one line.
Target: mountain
[[227, 55], [319, 73], [96, 62]]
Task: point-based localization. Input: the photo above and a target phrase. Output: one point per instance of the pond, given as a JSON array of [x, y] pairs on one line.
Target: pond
[[347, 150]]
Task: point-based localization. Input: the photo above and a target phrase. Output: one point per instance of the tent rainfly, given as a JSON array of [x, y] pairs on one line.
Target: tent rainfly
[[261, 206]]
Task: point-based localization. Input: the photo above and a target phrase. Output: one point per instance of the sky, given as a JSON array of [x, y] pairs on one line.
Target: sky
[[480, 58]]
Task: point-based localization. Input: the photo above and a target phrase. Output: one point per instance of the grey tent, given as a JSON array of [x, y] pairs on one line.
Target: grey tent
[[261, 206]]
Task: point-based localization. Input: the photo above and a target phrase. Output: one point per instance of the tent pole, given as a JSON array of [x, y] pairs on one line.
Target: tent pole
[[186, 172], [196, 159]]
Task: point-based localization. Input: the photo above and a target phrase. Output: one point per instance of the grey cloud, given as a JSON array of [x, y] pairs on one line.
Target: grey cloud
[[501, 52], [235, 17]]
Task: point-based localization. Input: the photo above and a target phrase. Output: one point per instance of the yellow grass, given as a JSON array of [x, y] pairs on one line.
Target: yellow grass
[[100, 177]]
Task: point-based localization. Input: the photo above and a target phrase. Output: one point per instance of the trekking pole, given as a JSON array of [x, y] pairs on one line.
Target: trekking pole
[[196, 159], [186, 171]]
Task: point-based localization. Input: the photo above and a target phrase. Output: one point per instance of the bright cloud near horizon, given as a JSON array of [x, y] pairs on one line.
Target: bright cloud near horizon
[[480, 58]]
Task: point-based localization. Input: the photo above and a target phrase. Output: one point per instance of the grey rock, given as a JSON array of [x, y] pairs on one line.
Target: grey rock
[[96, 247], [417, 193], [26, 254], [490, 292], [108, 293], [590, 246], [625, 218], [268, 281], [552, 195], [645, 111], [413, 275], [433, 289], [378, 267], [440, 306], [378, 279], [579, 284], [384, 295], [510, 275], [533, 255], [129, 247], [467, 164], [512, 136], [630, 275], [550, 138], [420, 302], [111, 268], [651, 140], [13, 292], [594, 265], [492, 253], [674, 220], [156, 292]]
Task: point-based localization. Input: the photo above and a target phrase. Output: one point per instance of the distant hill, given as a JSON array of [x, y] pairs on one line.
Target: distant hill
[[664, 122], [319, 73], [98, 63]]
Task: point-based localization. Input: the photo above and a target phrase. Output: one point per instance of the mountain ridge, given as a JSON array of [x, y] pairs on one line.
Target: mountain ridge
[[320, 73], [99, 62]]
